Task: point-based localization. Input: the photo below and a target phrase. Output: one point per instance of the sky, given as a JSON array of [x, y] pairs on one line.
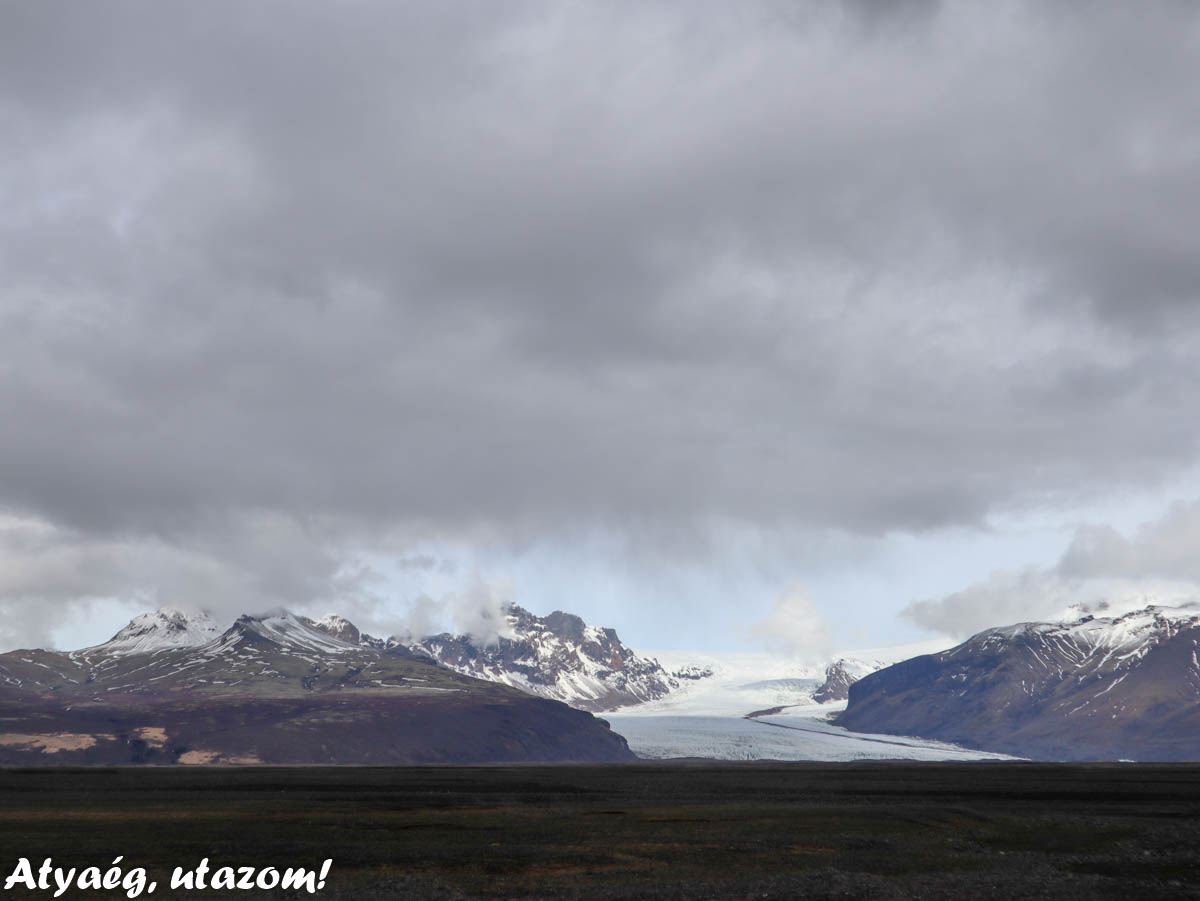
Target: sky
[[755, 325]]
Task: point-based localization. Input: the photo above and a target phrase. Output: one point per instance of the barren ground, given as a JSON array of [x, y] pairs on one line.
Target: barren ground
[[651, 830]]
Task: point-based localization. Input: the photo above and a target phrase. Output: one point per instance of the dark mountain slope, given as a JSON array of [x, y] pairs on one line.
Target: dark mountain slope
[[1097, 688]]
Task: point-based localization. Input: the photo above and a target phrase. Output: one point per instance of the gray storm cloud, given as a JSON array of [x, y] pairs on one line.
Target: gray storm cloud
[[453, 269]]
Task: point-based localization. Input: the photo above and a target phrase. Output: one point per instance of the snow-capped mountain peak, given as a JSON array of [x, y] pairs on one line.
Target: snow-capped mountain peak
[[556, 656], [160, 630], [1122, 638], [1125, 686], [284, 628]]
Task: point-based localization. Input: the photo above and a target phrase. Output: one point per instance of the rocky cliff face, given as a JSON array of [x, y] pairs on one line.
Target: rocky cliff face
[[839, 676], [557, 656], [272, 689], [1095, 688]]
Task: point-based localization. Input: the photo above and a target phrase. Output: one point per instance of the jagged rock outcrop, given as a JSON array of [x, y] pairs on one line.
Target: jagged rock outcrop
[[556, 656], [839, 676]]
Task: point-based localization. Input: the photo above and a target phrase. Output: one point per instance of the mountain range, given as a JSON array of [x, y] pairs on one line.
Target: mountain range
[[275, 688], [172, 687], [177, 687], [1117, 687]]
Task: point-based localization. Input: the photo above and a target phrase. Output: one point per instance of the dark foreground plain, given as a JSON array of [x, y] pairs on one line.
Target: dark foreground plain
[[650, 830]]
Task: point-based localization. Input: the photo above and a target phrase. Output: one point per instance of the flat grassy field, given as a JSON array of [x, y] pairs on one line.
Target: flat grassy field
[[651, 830]]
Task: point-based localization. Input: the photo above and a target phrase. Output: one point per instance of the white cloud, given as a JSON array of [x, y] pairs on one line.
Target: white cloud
[[1101, 570], [794, 626]]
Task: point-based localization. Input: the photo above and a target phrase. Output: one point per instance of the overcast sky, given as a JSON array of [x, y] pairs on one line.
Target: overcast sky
[[678, 315]]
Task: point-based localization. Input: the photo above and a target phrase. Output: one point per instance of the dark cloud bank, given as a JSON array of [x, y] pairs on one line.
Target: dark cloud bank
[[283, 281]]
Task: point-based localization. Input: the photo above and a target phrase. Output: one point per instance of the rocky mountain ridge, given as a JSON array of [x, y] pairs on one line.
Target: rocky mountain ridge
[[556, 656]]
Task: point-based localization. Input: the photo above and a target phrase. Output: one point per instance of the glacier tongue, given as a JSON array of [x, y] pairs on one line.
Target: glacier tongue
[[801, 734]]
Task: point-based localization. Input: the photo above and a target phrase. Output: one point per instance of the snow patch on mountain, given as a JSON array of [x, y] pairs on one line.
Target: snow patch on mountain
[[337, 626], [1100, 650], [290, 631], [1132, 630]]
